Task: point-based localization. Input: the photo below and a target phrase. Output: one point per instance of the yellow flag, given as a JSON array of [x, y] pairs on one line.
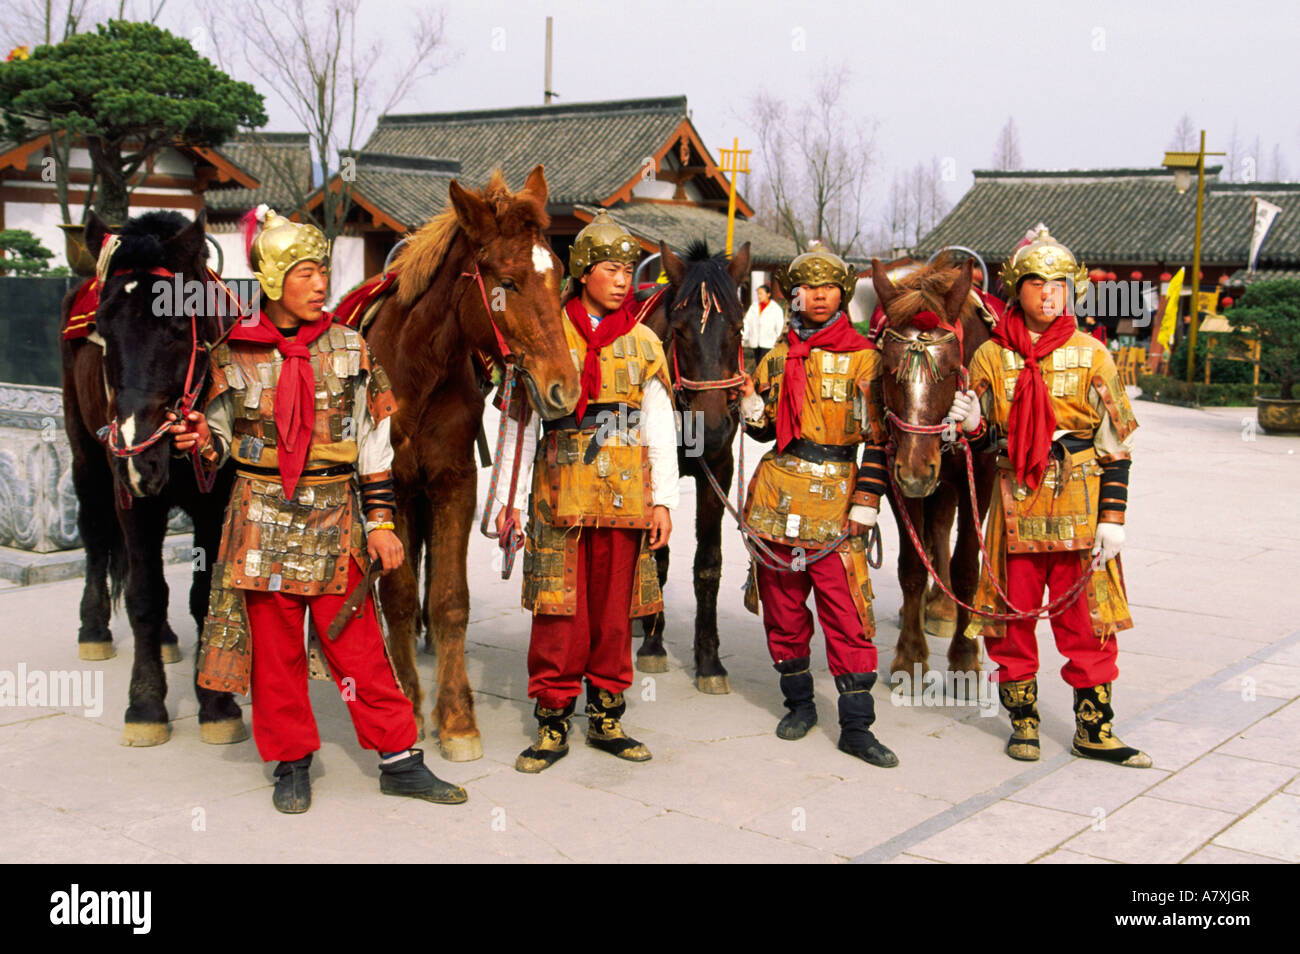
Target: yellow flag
[[1170, 319]]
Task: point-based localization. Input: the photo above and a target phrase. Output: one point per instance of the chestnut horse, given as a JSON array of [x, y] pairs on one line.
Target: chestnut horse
[[478, 274], [147, 349], [699, 321], [921, 371]]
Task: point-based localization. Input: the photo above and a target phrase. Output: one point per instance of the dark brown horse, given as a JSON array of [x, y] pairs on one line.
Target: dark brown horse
[[921, 371], [699, 321], [483, 261], [128, 375]]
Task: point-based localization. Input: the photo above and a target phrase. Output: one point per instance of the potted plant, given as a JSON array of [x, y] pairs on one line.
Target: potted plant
[[1270, 312]]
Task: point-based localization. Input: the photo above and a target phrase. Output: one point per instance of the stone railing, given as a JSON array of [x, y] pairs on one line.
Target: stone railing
[[38, 506]]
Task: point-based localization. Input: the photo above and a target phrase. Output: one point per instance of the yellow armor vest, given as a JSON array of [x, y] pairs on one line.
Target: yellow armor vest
[[799, 502]]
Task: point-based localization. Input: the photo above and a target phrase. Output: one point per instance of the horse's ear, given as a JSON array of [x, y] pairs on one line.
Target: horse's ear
[[189, 244], [955, 300], [673, 266], [885, 290], [96, 231], [473, 214], [738, 267], [536, 185]]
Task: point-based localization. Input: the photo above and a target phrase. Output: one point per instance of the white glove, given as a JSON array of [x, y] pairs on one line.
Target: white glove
[[1109, 540], [965, 411], [861, 513], [751, 405]]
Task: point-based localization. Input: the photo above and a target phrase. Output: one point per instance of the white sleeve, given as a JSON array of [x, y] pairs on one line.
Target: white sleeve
[[526, 456], [374, 446], [659, 430], [219, 415], [752, 407]]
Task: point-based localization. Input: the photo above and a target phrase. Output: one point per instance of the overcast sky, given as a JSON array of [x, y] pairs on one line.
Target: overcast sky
[[1089, 85]]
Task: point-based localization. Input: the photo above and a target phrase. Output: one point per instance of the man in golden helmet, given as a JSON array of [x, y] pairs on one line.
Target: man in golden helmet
[[810, 393], [298, 403], [1063, 430], [603, 484]]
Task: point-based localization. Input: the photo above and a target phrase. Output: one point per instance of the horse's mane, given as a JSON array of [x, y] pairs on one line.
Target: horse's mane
[[925, 290], [142, 239], [707, 268], [418, 262]]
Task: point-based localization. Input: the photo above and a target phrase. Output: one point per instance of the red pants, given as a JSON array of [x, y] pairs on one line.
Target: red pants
[[789, 622], [283, 725], [596, 641], [1088, 662]]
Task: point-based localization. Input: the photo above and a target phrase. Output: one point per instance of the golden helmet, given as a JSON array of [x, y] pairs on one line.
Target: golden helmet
[[279, 246], [602, 240], [818, 266], [1046, 258]]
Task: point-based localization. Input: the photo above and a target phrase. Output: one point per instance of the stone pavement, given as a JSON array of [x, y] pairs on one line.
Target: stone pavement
[[1209, 685]]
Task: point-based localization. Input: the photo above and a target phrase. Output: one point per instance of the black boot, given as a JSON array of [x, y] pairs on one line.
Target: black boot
[[411, 778], [797, 686], [552, 739], [605, 731], [857, 713], [1020, 699], [1093, 737], [292, 793]]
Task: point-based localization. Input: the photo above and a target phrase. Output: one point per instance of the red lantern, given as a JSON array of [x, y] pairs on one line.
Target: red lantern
[[1135, 275], [1224, 279], [1110, 276], [1096, 275], [1227, 302], [1166, 277]]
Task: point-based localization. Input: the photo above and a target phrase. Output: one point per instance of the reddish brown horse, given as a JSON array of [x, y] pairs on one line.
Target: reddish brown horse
[[921, 371], [479, 268]]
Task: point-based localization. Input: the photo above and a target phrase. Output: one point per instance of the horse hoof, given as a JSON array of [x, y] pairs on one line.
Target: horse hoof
[[146, 733], [940, 628], [461, 748], [652, 663], [96, 651], [223, 731], [713, 685], [171, 653]]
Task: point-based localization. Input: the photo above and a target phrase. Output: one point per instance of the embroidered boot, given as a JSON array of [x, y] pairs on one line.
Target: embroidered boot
[[1093, 736], [409, 776], [797, 686], [292, 793], [857, 713], [605, 731], [1020, 699], [552, 739]]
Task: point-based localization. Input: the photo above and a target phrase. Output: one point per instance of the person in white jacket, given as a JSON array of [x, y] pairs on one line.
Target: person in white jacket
[[763, 325]]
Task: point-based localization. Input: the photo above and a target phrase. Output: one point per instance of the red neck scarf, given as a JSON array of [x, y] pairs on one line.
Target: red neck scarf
[[838, 334], [295, 392], [612, 326], [1032, 421]]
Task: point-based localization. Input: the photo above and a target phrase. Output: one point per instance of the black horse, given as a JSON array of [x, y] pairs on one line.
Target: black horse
[[699, 321], [127, 376]]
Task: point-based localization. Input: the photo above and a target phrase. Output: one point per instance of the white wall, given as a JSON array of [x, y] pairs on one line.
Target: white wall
[[348, 266]]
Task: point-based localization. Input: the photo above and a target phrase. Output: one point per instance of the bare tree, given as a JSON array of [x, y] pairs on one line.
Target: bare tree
[[1277, 168], [320, 68], [1184, 138], [1006, 151], [1232, 161], [815, 173]]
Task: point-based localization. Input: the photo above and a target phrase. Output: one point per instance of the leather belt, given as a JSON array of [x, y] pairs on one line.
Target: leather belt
[[335, 470], [590, 418], [1074, 445], [821, 453]]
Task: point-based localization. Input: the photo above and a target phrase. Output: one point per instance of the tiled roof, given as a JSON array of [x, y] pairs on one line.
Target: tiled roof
[[1243, 277], [589, 149], [679, 225], [277, 160], [1119, 216], [411, 189]]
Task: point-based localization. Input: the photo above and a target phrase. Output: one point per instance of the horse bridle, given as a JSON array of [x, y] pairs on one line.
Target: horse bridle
[[918, 363], [681, 384], [110, 433]]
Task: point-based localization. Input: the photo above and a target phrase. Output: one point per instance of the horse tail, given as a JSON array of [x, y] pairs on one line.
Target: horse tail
[[117, 566]]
